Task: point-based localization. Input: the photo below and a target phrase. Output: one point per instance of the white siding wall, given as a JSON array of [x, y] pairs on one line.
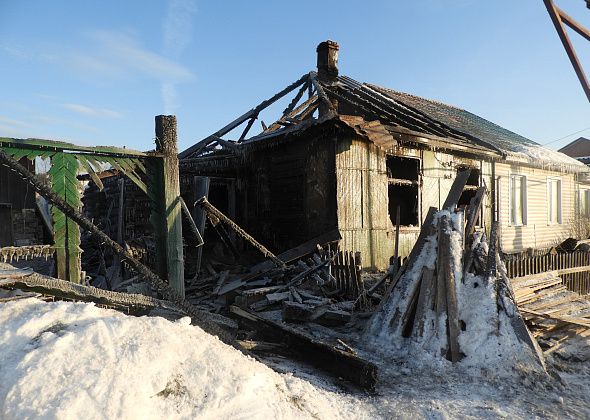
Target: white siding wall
[[537, 232], [362, 201]]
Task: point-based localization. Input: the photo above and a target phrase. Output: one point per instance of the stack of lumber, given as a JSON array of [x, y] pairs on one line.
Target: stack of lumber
[[552, 313]]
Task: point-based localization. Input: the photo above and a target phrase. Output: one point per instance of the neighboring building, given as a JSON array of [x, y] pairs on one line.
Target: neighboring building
[[579, 149], [352, 153]]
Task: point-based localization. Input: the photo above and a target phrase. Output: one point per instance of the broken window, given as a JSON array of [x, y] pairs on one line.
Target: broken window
[[471, 186], [403, 189]]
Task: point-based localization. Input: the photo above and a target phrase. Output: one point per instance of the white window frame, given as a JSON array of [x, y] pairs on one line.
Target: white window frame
[[550, 182], [524, 207]]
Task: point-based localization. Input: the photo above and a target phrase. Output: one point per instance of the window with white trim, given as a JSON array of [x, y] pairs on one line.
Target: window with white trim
[[553, 200], [518, 200]]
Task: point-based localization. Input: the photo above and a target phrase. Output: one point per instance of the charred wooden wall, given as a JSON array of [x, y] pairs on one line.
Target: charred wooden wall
[[15, 190], [19, 221], [362, 201], [365, 219], [289, 190]]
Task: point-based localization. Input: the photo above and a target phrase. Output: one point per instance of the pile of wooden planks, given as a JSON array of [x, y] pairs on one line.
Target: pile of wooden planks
[[323, 286], [425, 285], [552, 312]]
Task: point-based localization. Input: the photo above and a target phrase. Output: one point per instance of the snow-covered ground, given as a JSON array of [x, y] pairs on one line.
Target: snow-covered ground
[[74, 360]]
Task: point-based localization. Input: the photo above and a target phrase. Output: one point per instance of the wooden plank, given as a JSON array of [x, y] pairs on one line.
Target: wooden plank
[[559, 272], [60, 146], [329, 358], [396, 249], [456, 190], [424, 299], [425, 232], [200, 187], [191, 223], [212, 211], [295, 253], [555, 318]]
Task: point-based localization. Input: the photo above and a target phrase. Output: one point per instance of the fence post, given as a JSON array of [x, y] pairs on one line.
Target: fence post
[[167, 213]]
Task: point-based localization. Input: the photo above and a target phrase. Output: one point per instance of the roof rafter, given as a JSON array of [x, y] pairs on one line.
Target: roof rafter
[[252, 114]]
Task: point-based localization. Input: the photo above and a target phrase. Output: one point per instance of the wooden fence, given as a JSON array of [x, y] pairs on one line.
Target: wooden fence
[[346, 269], [565, 265]]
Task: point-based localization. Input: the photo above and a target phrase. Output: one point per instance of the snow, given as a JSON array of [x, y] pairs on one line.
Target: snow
[[74, 360], [546, 158]]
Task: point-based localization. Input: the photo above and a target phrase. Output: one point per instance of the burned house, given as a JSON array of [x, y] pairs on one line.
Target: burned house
[[359, 157]]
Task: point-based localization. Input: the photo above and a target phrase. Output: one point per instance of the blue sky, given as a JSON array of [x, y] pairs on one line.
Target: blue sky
[[98, 72]]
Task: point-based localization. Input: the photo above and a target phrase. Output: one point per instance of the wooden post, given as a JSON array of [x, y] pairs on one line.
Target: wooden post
[[169, 221], [396, 249]]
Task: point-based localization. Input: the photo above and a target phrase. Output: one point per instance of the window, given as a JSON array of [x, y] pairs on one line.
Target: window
[[517, 200], [585, 203], [554, 200], [403, 182], [470, 186]]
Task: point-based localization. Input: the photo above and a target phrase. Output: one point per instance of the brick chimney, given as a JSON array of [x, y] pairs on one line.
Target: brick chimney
[[327, 60]]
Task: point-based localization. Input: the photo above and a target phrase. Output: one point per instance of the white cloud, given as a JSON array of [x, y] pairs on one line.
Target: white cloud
[[170, 98], [15, 51], [178, 26], [92, 112], [10, 121], [117, 54]]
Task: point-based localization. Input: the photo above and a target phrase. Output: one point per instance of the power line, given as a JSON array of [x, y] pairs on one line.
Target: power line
[[565, 137]]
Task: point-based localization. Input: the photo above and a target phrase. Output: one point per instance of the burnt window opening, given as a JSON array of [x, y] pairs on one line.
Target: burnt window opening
[[403, 189], [471, 186]]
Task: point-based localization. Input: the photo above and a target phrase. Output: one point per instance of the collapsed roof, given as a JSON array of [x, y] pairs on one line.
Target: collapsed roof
[[384, 116]]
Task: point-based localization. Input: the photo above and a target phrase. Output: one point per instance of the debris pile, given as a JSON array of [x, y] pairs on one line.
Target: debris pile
[[323, 287], [449, 302]]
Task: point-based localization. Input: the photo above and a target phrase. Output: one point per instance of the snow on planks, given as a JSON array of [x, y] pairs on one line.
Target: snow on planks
[[553, 313]]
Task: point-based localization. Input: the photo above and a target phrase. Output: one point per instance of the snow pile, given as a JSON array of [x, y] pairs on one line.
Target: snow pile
[[489, 320], [74, 360]]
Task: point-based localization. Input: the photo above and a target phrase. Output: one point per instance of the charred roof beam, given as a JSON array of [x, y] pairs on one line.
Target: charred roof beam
[[252, 114]]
